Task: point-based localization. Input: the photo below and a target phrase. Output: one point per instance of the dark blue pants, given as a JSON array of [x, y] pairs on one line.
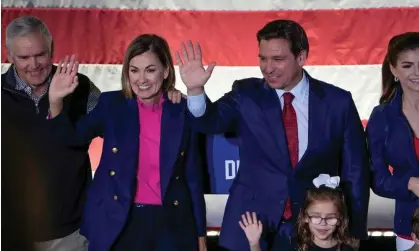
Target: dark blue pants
[[274, 239], [151, 228]]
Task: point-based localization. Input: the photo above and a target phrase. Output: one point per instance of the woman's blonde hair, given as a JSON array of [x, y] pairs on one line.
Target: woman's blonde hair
[[323, 193], [140, 45]]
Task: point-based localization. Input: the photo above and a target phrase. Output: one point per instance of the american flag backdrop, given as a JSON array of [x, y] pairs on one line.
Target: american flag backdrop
[[348, 40]]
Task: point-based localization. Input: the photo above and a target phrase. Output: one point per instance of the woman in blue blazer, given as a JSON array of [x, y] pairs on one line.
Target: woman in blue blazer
[[393, 133], [147, 191]]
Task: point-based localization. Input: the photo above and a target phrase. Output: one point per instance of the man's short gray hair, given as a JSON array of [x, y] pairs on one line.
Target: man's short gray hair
[[22, 26]]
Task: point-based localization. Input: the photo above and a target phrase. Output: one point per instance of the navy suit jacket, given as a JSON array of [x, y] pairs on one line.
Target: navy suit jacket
[[336, 146], [112, 192], [390, 142]]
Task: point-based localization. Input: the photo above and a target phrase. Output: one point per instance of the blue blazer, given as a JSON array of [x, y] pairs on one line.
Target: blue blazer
[[390, 142], [336, 146], [112, 192]]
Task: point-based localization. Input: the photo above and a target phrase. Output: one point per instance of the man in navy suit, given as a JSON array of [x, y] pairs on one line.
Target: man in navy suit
[[292, 128]]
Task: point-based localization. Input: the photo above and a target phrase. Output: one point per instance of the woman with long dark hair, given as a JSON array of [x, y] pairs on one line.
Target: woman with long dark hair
[[393, 133]]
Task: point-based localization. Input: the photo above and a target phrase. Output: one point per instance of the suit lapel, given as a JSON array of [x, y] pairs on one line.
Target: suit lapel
[[317, 112], [132, 124], [317, 115], [271, 107], [171, 137], [401, 131]]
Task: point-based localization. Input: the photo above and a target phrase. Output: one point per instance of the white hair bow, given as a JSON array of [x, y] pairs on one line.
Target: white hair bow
[[325, 179]]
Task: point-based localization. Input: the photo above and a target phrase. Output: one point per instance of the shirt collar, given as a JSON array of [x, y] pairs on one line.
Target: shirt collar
[[154, 107], [299, 91], [21, 84]]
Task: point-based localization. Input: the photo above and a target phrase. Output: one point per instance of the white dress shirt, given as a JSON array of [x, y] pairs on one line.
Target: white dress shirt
[[197, 106]]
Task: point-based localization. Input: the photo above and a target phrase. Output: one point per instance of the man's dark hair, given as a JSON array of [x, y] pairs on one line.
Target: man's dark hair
[[289, 30]]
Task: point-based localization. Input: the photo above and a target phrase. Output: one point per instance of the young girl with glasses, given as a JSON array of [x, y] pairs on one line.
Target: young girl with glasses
[[322, 223]]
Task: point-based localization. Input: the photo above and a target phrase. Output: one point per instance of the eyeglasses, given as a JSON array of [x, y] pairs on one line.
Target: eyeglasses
[[331, 221]]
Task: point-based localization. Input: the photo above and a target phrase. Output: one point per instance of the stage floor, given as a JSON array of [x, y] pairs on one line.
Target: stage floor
[[373, 243]]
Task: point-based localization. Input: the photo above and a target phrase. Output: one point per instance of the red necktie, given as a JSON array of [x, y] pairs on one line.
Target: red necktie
[[290, 123]]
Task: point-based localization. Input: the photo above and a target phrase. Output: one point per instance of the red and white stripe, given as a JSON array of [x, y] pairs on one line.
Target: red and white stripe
[[347, 38]]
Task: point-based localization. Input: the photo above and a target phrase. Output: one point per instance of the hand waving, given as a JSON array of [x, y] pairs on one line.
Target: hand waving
[[64, 80], [192, 71], [251, 227]]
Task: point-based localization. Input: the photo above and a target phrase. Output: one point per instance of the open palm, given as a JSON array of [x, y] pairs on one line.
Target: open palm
[[64, 80], [192, 71], [252, 227]]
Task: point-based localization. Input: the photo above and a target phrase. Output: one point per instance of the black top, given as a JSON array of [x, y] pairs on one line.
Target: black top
[[314, 247], [44, 182]]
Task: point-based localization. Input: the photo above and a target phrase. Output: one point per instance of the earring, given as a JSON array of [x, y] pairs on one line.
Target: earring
[[396, 79]]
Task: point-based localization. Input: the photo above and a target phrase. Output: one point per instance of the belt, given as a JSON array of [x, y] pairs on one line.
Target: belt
[[137, 205]]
